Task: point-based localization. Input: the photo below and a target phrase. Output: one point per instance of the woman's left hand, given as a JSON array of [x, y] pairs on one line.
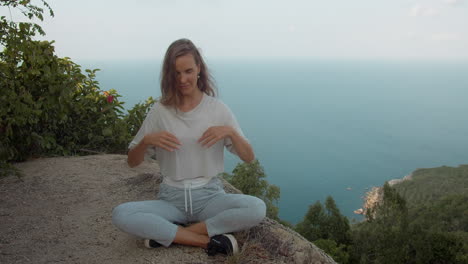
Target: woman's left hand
[[214, 134]]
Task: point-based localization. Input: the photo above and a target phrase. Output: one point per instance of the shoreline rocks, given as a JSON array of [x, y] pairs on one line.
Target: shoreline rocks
[[375, 195]]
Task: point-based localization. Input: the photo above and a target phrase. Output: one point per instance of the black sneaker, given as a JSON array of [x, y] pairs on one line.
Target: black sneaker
[[225, 244], [150, 243]]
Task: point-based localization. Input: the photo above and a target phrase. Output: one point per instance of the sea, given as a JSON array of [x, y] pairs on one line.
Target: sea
[[324, 127]]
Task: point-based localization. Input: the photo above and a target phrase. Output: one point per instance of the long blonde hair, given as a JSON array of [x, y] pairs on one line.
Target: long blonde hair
[[170, 95]]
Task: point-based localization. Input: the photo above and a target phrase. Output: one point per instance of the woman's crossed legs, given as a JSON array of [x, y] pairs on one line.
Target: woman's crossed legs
[[222, 214]]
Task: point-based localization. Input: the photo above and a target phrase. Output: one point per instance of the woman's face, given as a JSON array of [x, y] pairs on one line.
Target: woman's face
[[187, 74]]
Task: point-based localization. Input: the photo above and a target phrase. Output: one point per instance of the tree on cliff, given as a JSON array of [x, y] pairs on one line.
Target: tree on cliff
[[383, 238], [390, 237], [327, 228]]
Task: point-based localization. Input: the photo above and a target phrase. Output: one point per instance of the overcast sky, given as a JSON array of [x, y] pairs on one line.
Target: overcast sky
[[360, 29]]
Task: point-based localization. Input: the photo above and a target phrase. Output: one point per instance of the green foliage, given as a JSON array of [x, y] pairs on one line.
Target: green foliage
[[430, 185], [137, 115], [392, 211], [384, 239], [434, 247], [27, 9], [338, 225], [438, 208], [325, 223], [311, 225], [249, 179], [449, 214], [423, 220], [48, 106], [17, 74], [438, 198], [339, 253], [328, 229], [9, 30], [427, 234]]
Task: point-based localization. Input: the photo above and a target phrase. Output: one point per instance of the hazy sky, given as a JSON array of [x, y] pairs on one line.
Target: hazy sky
[[367, 29]]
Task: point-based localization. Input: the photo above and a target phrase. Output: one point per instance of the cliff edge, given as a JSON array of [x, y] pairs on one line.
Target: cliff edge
[[60, 211]]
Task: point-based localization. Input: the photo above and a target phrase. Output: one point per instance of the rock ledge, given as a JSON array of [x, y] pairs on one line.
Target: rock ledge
[[63, 207]]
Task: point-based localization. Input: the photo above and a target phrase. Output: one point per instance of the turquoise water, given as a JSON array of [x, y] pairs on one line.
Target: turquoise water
[[330, 127]]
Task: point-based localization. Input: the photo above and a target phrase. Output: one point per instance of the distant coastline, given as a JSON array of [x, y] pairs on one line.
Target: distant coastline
[[375, 195], [397, 181]]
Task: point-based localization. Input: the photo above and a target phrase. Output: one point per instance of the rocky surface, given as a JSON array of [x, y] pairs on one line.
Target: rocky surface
[[60, 212]]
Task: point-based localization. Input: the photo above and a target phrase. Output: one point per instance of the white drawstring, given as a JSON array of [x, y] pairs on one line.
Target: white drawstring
[[185, 196], [190, 196], [188, 185]]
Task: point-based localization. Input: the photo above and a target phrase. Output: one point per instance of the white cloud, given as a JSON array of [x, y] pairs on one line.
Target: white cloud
[[446, 37], [453, 2], [411, 35], [292, 28], [419, 10]]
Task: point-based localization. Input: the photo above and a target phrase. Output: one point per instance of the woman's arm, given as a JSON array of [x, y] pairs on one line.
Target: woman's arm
[[162, 139], [241, 146], [136, 155]]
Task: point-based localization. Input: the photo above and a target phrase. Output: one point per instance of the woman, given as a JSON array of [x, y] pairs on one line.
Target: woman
[[188, 130]]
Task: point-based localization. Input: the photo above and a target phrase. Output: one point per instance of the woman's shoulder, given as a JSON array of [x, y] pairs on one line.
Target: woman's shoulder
[[157, 109], [216, 102], [158, 106], [217, 107]]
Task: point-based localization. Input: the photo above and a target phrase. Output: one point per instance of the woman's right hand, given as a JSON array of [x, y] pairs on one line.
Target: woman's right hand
[[163, 140]]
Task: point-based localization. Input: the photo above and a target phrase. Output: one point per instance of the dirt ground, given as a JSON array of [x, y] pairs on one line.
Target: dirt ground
[[60, 212]]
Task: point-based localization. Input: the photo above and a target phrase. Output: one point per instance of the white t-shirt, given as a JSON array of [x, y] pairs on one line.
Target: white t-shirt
[[191, 160]]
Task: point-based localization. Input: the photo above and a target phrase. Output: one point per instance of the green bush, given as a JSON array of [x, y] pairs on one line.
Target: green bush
[[327, 228], [325, 223], [432, 234], [48, 106], [337, 252], [137, 114]]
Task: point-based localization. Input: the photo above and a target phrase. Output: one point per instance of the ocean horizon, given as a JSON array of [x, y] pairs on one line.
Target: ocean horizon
[[329, 127]]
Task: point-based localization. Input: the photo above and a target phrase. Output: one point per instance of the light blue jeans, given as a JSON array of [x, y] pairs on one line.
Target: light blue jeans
[[222, 212]]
